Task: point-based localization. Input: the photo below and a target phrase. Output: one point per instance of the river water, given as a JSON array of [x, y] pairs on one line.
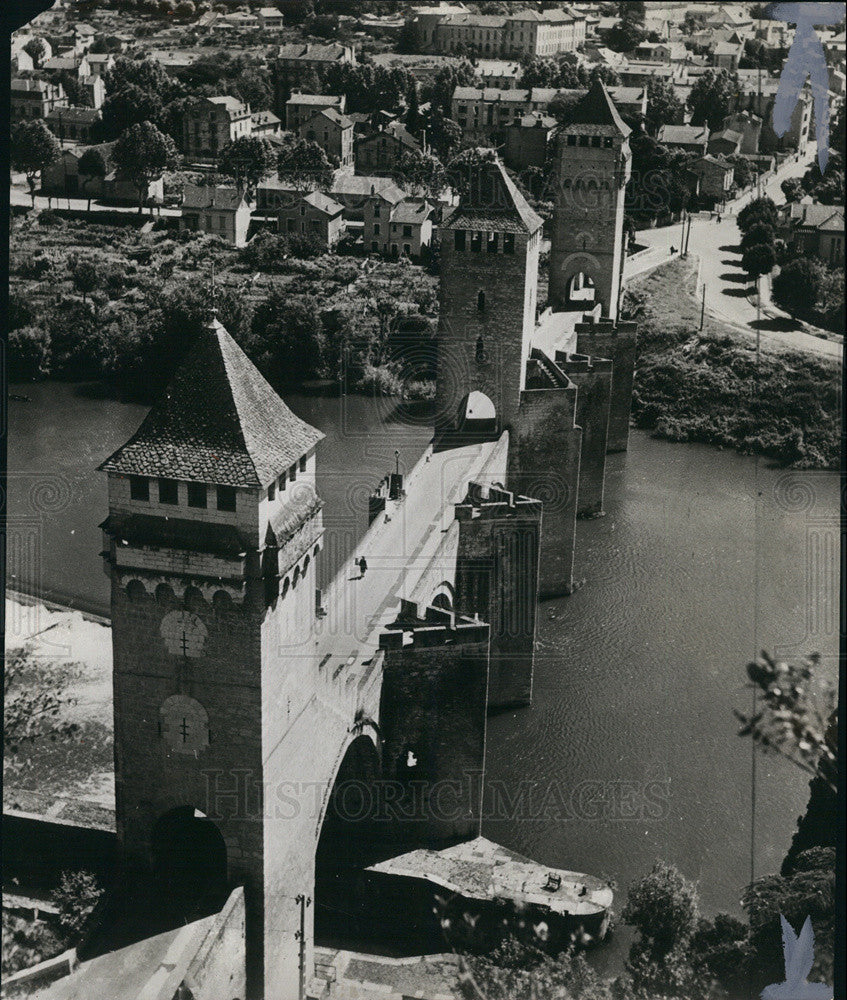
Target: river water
[[629, 752]]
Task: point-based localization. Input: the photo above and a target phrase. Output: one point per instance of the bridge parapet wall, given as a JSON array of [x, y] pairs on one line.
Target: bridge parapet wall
[[433, 719], [618, 342]]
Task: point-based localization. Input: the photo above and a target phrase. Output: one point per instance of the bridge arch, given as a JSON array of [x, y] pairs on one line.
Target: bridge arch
[[477, 413], [190, 864], [348, 838], [444, 596], [581, 278]]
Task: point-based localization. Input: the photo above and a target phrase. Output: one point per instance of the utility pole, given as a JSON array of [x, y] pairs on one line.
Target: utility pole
[[303, 902], [703, 306]]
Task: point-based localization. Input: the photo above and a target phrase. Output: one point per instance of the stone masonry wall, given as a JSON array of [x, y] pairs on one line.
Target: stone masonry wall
[[593, 379], [618, 342]]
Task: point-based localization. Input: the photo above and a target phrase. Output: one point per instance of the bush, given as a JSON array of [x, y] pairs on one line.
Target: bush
[[380, 380], [35, 266], [75, 897], [48, 217], [29, 353], [27, 942]]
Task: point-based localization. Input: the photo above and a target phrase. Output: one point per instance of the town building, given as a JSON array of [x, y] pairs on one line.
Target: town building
[[725, 142], [21, 62], [31, 98], [300, 108], [716, 177], [93, 91], [293, 60], [529, 141], [522, 34], [690, 138], [759, 100], [750, 127], [314, 214], [212, 122], [100, 62], [815, 230], [63, 177], [376, 214], [381, 152], [73, 124], [727, 55], [68, 62], [265, 124], [486, 111], [270, 18], [411, 227], [333, 132], [502, 73], [217, 210]]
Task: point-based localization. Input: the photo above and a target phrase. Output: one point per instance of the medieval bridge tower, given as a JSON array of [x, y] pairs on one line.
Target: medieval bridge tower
[[593, 165]]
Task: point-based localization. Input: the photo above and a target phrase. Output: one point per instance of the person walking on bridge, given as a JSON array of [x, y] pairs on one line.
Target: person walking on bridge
[[363, 565]]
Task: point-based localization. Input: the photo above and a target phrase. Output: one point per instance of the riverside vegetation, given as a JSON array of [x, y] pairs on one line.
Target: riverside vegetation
[[709, 387]]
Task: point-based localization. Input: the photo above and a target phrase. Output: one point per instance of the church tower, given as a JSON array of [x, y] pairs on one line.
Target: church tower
[[211, 541], [488, 297], [592, 169]]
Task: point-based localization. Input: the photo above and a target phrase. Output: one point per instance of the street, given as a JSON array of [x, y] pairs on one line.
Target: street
[[728, 293]]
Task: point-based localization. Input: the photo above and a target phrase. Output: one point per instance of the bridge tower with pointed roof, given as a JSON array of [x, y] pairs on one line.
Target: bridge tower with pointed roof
[[593, 165], [211, 546], [488, 295]]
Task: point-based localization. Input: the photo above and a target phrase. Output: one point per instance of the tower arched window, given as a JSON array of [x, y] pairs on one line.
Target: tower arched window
[[480, 301], [481, 356]]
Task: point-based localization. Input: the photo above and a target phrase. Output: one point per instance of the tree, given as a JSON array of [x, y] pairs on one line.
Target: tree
[[247, 160], [444, 134], [37, 50], [91, 167], [712, 96], [792, 189], [663, 106], [75, 898], [296, 11], [304, 164], [445, 82], [410, 39], [253, 86], [413, 108], [760, 233], [758, 210], [86, 278], [186, 10], [562, 108], [625, 36], [422, 173], [33, 148], [28, 353], [663, 908], [147, 74], [128, 106], [758, 260], [287, 339], [797, 287], [143, 154], [31, 711]]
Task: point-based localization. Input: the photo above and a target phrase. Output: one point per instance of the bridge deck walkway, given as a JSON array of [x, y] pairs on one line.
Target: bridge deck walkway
[[397, 552]]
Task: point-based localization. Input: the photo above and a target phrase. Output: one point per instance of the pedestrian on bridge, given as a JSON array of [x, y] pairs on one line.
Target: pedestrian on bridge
[[363, 566]]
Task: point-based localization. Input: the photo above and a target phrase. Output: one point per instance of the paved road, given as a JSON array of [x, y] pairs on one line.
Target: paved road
[[19, 195], [728, 295]]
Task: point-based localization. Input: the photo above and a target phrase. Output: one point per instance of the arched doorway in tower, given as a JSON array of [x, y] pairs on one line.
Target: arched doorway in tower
[[581, 291], [189, 864], [351, 838], [477, 415]]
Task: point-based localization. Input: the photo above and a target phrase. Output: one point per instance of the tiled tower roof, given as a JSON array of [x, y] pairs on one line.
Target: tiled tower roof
[[597, 108], [492, 201], [219, 422]]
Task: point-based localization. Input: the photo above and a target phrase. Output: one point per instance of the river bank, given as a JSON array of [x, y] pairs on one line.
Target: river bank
[[709, 386]]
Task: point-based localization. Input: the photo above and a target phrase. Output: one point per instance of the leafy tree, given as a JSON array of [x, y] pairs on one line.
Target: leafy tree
[[445, 82], [143, 154], [444, 134], [91, 167], [32, 711], [186, 10], [287, 339], [625, 36], [304, 164], [742, 172], [128, 106], [253, 86], [296, 11], [410, 39], [75, 898], [562, 108], [28, 353], [792, 189], [33, 148], [413, 108], [147, 74], [756, 211], [36, 49], [712, 96], [421, 173], [86, 278], [663, 106], [760, 233], [759, 259], [663, 908], [808, 891], [247, 160]]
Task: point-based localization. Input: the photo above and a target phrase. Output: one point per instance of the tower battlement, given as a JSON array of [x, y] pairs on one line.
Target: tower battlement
[[574, 364], [429, 627], [488, 503]]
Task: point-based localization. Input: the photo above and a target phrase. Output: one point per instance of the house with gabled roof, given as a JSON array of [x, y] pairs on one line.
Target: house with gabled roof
[[811, 228], [333, 132], [314, 214], [210, 123], [218, 210], [382, 152]]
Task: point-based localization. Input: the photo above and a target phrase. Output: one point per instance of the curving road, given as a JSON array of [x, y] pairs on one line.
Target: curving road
[[728, 295]]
